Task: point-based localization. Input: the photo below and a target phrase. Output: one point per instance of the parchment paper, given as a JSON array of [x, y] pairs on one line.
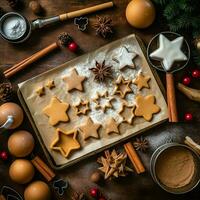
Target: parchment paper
[[82, 64]]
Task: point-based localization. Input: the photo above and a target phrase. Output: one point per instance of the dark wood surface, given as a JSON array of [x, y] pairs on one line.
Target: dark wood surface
[[134, 187]]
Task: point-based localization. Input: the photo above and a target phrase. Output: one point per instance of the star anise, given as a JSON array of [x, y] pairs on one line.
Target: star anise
[[78, 196], [6, 91], [64, 39], [141, 144], [101, 71], [103, 26]]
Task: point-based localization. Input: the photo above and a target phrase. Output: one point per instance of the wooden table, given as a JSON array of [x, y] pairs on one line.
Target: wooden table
[[134, 187]]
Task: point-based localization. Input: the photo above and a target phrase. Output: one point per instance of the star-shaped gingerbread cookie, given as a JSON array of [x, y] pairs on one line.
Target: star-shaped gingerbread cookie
[[65, 142], [102, 101], [127, 113], [111, 126], [125, 58], [82, 107], [50, 84], [56, 111], [40, 91], [122, 86], [146, 107], [142, 81], [89, 129], [74, 81]]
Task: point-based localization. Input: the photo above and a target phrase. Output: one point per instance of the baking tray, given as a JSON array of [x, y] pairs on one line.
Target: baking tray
[[23, 100]]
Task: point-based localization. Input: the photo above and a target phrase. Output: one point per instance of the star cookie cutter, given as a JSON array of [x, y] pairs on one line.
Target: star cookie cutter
[[82, 107], [102, 97], [122, 87]]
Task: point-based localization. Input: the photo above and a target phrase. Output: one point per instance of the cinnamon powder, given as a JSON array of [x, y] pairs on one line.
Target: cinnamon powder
[[175, 167]]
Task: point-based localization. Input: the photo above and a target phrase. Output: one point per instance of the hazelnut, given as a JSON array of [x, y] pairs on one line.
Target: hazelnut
[[35, 7], [96, 177]]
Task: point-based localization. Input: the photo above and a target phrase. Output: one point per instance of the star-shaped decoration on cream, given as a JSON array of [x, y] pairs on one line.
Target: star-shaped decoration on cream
[[89, 129], [122, 87], [125, 58], [111, 126], [146, 107], [74, 81], [82, 107], [102, 101], [127, 113], [169, 51], [142, 81], [65, 142], [56, 111]]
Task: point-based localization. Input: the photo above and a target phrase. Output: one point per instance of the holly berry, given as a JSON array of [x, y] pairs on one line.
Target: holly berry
[[94, 192], [73, 46], [196, 73], [186, 80], [4, 155], [188, 116]]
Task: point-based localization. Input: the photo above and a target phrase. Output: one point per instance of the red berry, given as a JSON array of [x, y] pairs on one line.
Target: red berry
[[73, 47], [188, 117], [4, 155], [186, 80], [196, 73], [94, 192]]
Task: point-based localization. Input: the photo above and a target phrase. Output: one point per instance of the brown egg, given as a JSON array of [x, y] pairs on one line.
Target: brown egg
[[21, 171], [21, 143], [37, 190], [14, 110], [140, 13]]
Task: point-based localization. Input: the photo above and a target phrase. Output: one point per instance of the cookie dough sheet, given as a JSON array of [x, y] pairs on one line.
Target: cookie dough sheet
[[82, 64]]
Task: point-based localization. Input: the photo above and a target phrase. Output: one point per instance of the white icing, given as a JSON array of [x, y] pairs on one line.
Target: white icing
[[169, 52]]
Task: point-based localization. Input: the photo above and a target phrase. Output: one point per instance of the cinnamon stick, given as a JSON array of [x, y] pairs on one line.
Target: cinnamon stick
[[171, 97], [43, 168], [16, 68], [132, 154]]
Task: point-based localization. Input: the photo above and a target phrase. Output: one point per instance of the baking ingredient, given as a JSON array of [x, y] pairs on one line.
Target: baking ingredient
[[141, 144], [65, 142], [65, 39], [37, 190], [122, 86], [73, 47], [196, 73], [56, 111], [142, 81], [190, 142], [6, 92], [89, 129], [186, 80], [21, 143], [140, 13], [103, 26], [169, 52], [14, 110], [175, 167], [127, 113], [188, 116], [191, 93], [101, 71], [74, 81], [114, 164], [94, 192], [125, 58], [35, 7], [4, 155], [96, 177], [21, 171], [146, 107], [14, 27]]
